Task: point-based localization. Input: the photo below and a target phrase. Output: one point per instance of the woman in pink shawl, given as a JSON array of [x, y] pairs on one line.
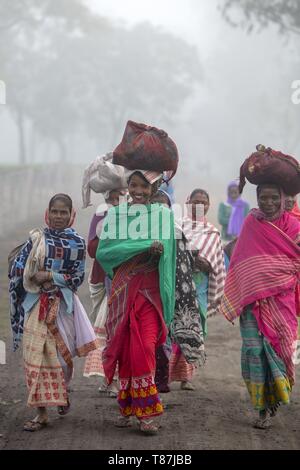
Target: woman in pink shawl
[[262, 288]]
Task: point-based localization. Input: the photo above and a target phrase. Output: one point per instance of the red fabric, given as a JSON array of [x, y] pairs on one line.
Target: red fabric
[[137, 357], [271, 166], [138, 394], [44, 306], [143, 286], [133, 336], [265, 262], [97, 274], [146, 148]]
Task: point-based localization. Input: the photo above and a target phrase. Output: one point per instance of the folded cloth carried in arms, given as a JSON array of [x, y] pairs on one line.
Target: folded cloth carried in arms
[[270, 166]]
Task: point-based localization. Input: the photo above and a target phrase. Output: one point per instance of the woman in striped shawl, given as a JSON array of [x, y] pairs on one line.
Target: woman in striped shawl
[[204, 241]]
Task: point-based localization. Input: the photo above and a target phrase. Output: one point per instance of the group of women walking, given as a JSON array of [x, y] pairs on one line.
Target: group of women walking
[[151, 297]]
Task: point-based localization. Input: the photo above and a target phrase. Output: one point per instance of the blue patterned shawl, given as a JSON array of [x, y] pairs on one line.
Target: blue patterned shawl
[[64, 254]]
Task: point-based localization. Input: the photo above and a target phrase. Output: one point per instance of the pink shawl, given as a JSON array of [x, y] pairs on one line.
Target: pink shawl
[[265, 271]]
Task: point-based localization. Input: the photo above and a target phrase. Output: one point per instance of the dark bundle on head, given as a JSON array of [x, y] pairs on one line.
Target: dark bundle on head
[[63, 198], [268, 165], [147, 148]]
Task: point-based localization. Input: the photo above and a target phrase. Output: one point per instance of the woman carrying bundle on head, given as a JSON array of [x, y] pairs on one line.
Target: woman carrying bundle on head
[[44, 279], [262, 290], [137, 249]]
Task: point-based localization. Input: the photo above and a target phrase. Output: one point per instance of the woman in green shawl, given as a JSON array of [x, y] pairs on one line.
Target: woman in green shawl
[[137, 249]]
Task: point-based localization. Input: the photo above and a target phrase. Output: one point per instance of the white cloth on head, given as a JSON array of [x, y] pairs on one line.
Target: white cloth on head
[[150, 176], [101, 176]]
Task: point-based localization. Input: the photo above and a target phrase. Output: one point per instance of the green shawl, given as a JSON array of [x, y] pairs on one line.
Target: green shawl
[[130, 230]]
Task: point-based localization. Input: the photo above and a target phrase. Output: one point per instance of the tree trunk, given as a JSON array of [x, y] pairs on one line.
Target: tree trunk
[[32, 144]]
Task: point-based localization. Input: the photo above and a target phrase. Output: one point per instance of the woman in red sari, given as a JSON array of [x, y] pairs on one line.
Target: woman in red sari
[[141, 304], [262, 288]]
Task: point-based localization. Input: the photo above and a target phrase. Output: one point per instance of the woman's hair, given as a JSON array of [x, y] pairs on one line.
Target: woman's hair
[[63, 198], [161, 193], [198, 190], [267, 185]]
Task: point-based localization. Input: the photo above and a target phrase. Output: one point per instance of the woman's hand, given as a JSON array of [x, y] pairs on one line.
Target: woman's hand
[[156, 248], [41, 277], [203, 265], [47, 285]]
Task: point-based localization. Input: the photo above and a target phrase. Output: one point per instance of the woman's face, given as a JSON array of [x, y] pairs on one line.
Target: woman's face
[[269, 201], [114, 198], [233, 192], [200, 205], [289, 203], [59, 215], [139, 190]]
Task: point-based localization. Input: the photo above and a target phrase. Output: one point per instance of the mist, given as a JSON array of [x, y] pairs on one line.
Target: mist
[[76, 71]]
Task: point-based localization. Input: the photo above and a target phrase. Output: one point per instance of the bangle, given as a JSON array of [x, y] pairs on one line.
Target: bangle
[[50, 276]]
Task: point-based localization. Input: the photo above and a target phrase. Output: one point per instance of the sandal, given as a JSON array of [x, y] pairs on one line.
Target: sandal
[[63, 410], [264, 421], [149, 427], [123, 422], [187, 386], [34, 425]]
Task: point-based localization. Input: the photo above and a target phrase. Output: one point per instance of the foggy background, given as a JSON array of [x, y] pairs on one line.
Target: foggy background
[[218, 81]]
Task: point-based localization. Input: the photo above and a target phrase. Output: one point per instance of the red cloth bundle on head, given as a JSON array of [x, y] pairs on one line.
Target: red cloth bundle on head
[[146, 148], [271, 166]]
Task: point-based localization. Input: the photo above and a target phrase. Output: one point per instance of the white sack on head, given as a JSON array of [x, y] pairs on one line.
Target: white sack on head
[[100, 176]]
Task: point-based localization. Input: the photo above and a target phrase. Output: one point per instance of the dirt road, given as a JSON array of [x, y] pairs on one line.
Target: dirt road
[[217, 415]]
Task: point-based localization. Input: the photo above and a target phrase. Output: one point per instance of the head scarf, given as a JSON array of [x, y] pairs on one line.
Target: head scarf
[[150, 176], [71, 221]]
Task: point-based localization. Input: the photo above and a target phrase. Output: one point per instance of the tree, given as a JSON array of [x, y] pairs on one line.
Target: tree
[[283, 13], [27, 28], [70, 73], [142, 73]]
